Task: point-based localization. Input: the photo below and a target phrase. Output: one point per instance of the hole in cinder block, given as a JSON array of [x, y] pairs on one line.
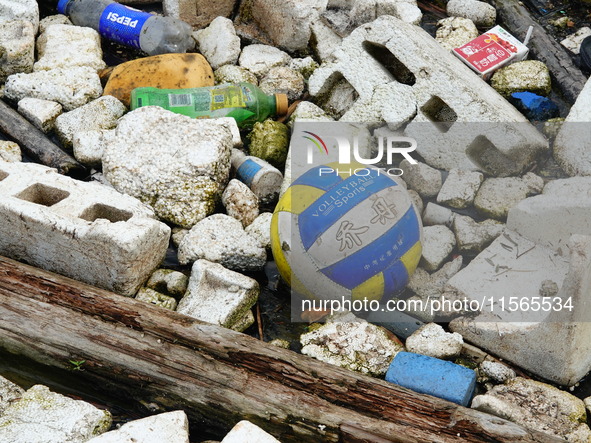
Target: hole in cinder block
[[440, 113], [41, 194], [3, 175], [100, 210], [395, 67], [484, 154]]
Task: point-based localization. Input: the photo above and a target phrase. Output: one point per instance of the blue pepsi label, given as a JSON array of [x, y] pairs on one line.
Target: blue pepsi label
[[247, 171], [122, 24]]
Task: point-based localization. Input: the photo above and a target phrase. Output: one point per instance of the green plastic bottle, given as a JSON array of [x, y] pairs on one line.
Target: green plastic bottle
[[245, 102]]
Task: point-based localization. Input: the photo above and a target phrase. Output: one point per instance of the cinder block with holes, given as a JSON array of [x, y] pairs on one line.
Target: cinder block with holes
[[450, 98], [86, 231]]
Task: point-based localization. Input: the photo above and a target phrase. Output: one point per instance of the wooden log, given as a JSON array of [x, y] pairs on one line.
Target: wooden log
[[219, 376], [35, 143], [543, 47]]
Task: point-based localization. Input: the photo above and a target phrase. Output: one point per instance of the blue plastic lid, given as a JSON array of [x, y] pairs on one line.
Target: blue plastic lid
[[62, 6]]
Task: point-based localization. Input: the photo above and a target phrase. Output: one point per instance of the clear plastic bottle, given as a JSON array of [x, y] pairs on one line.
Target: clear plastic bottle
[[128, 26], [245, 102]]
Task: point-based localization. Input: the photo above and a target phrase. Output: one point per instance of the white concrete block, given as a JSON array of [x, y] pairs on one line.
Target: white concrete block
[[176, 164], [101, 113], [283, 80], [240, 202], [17, 47], [219, 43], [234, 74], [573, 41], [288, 22], [433, 341], [260, 230], [85, 231], [245, 431], [472, 236], [70, 87], [445, 89], [437, 215], [66, 46], [460, 188], [169, 427], [89, 146], [496, 371], [453, 32], [259, 59], [496, 196], [324, 41], [44, 416], [9, 393], [218, 295], [10, 151], [27, 10], [422, 178], [58, 19], [221, 239], [42, 113], [438, 242]]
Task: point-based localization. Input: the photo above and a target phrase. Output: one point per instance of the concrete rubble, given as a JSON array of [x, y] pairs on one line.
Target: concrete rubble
[[283, 80], [459, 188], [156, 298], [472, 236], [438, 242], [453, 32], [482, 14], [27, 10], [42, 113], [10, 152], [432, 340], [353, 343], [496, 371], [219, 43], [573, 41], [9, 393], [88, 146], [245, 431], [240, 202], [17, 47], [220, 296], [528, 75], [58, 19], [259, 59]]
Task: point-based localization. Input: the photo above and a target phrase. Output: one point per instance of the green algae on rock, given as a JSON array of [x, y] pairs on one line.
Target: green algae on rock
[[269, 140]]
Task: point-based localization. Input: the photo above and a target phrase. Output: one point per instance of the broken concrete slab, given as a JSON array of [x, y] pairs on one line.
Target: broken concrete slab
[[99, 114], [259, 59], [218, 295], [288, 22], [352, 343], [453, 32], [472, 236], [169, 427], [42, 415], [42, 113], [572, 146], [240, 202], [17, 47], [70, 87], [219, 43], [221, 239], [176, 164], [283, 80], [66, 46], [438, 242], [387, 50], [432, 340], [547, 409], [460, 188], [86, 231]]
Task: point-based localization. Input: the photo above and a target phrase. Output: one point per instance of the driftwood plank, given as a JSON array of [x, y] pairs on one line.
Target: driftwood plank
[[35, 143], [544, 47], [219, 376]]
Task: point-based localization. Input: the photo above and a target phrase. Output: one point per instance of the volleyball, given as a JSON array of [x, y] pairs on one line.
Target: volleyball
[[346, 232]]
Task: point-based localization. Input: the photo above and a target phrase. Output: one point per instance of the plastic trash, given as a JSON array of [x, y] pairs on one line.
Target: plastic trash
[[245, 102], [534, 107], [130, 27], [262, 178]]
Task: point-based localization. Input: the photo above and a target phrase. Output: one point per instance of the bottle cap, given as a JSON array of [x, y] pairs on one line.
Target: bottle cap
[[281, 104]]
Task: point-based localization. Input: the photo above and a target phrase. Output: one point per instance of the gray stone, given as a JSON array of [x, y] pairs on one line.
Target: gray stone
[[101, 113], [288, 22], [482, 14], [167, 281], [10, 151], [218, 295], [42, 415], [472, 236], [259, 59], [547, 409], [459, 188], [89, 146], [221, 239], [324, 41], [42, 113], [66, 46], [453, 32], [169, 427], [156, 298], [58, 19], [351, 343], [528, 75], [240, 202], [444, 89], [9, 393], [176, 164], [308, 112], [433, 341], [71, 87], [437, 215], [260, 230], [572, 147], [573, 41], [438, 242], [283, 80], [219, 43], [198, 13], [17, 47], [178, 234], [497, 195], [422, 178], [27, 10], [498, 372], [245, 431], [234, 74]]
